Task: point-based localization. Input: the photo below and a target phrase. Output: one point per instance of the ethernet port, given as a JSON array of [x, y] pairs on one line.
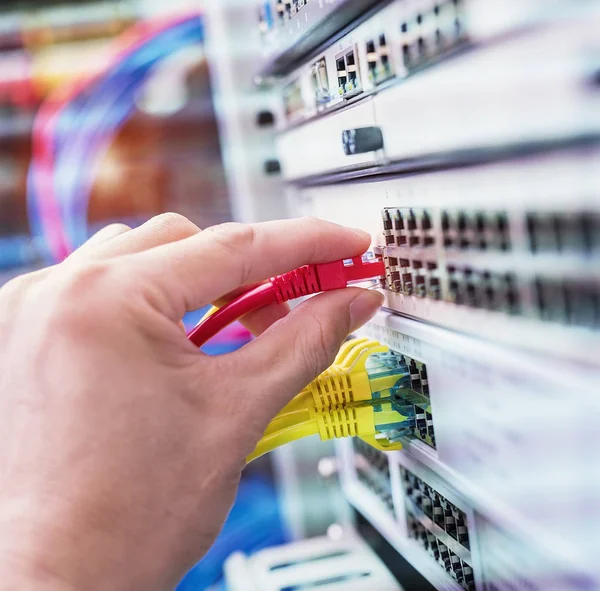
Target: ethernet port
[[387, 220], [372, 60], [488, 291], [472, 294], [425, 221], [386, 70], [407, 284], [320, 82], [415, 376], [398, 221], [421, 44], [462, 533], [281, 12], [438, 512], [293, 100], [446, 221], [411, 221], [420, 288], [342, 75], [512, 297], [454, 294], [425, 385], [450, 523], [583, 304], [414, 241], [353, 82], [503, 231]]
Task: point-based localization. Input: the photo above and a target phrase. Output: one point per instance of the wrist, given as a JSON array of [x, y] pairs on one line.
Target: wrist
[[27, 551], [20, 573]]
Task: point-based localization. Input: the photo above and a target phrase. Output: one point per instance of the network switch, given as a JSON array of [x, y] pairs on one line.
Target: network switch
[[508, 251], [456, 109]]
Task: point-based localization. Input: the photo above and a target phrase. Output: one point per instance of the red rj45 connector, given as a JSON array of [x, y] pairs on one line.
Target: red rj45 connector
[[306, 280]]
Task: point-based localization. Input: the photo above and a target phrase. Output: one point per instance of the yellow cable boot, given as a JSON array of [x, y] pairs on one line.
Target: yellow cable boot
[[359, 395]]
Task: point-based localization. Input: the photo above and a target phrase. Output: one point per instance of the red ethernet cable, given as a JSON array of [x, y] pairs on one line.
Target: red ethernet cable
[[306, 280]]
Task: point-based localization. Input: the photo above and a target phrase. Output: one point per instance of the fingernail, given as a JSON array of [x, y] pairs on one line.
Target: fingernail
[[364, 307]]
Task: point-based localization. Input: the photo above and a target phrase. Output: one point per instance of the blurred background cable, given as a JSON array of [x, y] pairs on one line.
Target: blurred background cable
[[75, 128]]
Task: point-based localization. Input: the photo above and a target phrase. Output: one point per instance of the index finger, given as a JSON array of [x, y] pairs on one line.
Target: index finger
[[200, 269]]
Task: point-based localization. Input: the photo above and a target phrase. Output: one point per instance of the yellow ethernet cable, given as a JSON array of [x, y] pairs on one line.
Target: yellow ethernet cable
[[361, 395]]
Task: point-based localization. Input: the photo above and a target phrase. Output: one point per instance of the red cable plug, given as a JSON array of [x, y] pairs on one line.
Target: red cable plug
[[306, 280]]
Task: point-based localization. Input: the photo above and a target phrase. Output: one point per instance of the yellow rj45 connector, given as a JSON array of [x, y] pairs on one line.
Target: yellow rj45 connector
[[360, 395]]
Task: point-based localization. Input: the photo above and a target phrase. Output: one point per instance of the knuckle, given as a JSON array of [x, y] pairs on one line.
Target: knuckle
[[80, 282], [238, 241], [242, 235], [14, 287], [80, 291], [175, 224], [116, 229], [19, 288]]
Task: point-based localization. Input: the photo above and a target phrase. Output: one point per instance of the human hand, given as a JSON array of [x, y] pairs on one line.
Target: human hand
[[122, 445]]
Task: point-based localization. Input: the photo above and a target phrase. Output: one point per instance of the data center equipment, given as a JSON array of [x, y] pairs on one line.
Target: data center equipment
[[464, 136]]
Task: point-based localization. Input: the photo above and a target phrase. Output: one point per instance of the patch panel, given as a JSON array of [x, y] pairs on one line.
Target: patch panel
[[574, 302], [476, 230], [483, 289], [563, 231], [440, 527]]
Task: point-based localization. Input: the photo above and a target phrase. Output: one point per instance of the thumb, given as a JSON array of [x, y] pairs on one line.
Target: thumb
[[297, 348]]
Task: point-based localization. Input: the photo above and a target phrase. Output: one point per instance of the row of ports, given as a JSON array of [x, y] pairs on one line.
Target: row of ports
[[428, 33], [436, 507], [460, 570], [483, 289], [424, 429], [408, 227], [416, 398], [424, 35], [348, 74], [570, 302], [574, 303], [490, 230], [557, 232], [412, 277], [480, 230]]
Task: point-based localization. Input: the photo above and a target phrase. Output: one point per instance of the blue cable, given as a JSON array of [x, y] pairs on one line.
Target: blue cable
[[109, 106], [86, 127]]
